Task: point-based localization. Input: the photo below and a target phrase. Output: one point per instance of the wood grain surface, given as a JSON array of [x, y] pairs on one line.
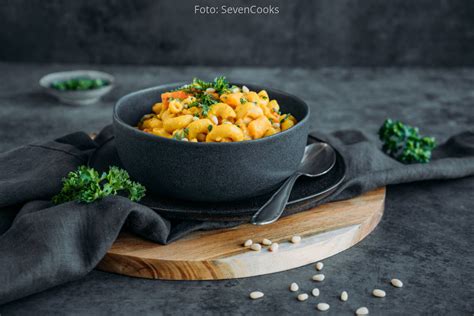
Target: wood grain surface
[[325, 230]]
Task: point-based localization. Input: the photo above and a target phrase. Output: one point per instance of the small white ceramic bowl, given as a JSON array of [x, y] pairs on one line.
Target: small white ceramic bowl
[[81, 97]]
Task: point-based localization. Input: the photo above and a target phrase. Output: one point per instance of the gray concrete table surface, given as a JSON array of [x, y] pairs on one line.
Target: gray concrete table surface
[[425, 238]]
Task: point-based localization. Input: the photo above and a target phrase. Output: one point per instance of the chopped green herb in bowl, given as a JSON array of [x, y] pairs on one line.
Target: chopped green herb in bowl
[[79, 84], [78, 87]]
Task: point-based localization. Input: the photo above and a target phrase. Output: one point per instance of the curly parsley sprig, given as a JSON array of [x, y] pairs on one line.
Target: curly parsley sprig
[[404, 143], [86, 185]]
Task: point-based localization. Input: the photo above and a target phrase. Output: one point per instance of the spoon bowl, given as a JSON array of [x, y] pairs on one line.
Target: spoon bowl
[[318, 159]]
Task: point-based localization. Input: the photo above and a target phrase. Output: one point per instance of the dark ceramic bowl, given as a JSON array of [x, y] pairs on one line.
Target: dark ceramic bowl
[[208, 171]]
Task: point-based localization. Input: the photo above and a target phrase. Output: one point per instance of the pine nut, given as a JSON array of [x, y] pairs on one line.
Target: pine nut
[[210, 90], [256, 247], [378, 293], [185, 139], [294, 287], [322, 306], [319, 266], [315, 292], [266, 242], [302, 297], [274, 247], [276, 125], [214, 120], [396, 283], [318, 277], [256, 295], [295, 239], [344, 296], [245, 89], [362, 311], [235, 90], [248, 243]]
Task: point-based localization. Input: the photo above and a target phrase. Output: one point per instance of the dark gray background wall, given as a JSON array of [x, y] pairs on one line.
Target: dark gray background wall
[[304, 33]]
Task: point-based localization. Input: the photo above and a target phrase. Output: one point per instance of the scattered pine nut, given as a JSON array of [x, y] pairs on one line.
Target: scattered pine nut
[[294, 287], [344, 296], [266, 242], [322, 306], [378, 293], [295, 239], [256, 247], [315, 292], [362, 311], [210, 90], [319, 266], [396, 283], [256, 295], [318, 277], [248, 243], [274, 247], [245, 89], [302, 297]]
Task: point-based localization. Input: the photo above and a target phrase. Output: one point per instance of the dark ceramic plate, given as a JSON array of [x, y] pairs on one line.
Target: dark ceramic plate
[[306, 193]]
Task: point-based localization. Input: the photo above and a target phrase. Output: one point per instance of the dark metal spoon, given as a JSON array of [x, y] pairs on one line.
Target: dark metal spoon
[[317, 160]]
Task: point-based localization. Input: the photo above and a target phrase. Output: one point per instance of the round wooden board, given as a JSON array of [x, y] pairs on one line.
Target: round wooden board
[[325, 230]]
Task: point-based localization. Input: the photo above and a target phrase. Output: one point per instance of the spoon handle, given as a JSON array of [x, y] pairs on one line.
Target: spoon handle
[[272, 210]]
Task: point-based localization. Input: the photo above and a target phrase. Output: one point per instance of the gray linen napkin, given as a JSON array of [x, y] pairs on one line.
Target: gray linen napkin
[[43, 245]]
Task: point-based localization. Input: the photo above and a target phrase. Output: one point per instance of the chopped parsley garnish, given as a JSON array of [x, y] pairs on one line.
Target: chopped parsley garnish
[[205, 100], [220, 85], [79, 84], [209, 128], [243, 100]]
